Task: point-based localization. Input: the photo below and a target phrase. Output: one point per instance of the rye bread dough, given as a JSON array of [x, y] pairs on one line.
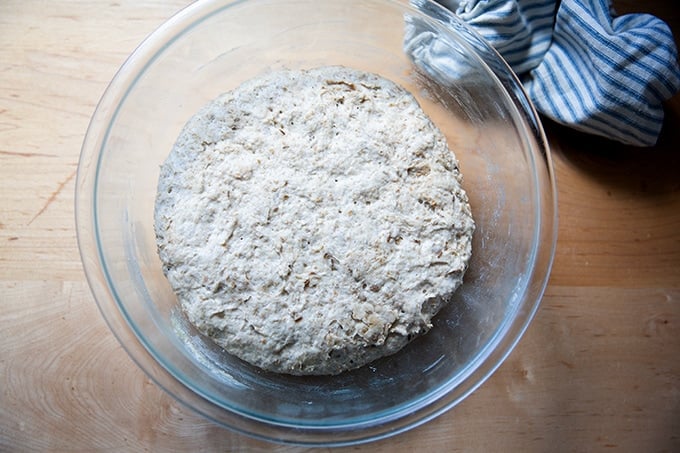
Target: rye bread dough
[[313, 221]]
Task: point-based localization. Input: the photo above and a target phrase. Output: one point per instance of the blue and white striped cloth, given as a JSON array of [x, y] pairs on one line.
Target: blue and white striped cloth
[[580, 64]]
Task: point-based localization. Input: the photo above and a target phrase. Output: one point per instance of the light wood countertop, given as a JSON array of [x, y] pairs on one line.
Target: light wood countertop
[[598, 369]]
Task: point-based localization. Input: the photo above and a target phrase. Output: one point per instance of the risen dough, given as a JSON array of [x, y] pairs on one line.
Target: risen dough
[[312, 221]]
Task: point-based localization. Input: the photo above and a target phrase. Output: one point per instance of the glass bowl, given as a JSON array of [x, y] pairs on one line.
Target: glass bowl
[[468, 91]]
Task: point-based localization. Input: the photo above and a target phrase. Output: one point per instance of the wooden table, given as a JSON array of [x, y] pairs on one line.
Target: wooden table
[[598, 368]]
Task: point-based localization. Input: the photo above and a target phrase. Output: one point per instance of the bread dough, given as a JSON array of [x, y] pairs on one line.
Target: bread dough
[[312, 221]]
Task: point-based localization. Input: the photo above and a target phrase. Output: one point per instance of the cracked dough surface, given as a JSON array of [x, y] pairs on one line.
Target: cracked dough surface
[[312, 221]]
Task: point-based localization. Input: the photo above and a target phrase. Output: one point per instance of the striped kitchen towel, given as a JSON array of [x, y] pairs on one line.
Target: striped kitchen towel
[[580, 64]]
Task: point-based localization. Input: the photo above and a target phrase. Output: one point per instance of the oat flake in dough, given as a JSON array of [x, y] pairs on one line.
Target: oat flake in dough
[[312, 221]]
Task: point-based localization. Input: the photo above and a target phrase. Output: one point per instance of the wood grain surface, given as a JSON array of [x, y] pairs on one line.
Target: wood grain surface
[[599, 368]]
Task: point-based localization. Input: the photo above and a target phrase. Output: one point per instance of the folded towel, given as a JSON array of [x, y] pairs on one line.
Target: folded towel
[[580, 64]]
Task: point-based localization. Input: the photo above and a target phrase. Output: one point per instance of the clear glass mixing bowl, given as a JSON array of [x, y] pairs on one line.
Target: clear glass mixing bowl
[[468, 91]]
